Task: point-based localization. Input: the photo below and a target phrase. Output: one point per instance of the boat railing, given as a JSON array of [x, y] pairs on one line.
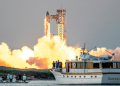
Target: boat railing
[[57, 69]]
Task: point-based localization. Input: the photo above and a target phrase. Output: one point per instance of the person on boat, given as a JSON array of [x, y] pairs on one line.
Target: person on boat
[[11, 78], [56, 64], [53, 65], [24, 78]]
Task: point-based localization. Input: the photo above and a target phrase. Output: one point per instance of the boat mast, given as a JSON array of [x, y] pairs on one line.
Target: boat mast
[[113, 54], [84, 58]]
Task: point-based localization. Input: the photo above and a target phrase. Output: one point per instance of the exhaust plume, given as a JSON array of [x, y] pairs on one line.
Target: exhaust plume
[[44, 53], [14, 57], [40, 62], [3, 63], [101, 51]]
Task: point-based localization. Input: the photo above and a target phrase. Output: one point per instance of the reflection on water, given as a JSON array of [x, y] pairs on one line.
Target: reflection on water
[[43, 83]]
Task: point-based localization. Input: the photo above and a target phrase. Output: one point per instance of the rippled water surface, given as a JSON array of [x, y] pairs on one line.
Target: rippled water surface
[[43, 83]]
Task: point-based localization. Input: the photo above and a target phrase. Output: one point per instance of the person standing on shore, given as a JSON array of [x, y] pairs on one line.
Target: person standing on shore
[[8, 77], [24, 78], [11, 78], [14, 78], [1, 79]]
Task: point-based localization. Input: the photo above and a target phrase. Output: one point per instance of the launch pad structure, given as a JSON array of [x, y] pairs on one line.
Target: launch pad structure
[[60, 18]]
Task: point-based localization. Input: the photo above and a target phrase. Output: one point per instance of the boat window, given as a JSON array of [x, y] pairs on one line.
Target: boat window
[[118, 65], [95, 65], [91, 65], [86, 65], [78, 64], [107, 65], [81, 65]]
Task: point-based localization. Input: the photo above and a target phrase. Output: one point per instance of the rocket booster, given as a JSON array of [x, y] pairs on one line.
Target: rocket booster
[[47, 17]]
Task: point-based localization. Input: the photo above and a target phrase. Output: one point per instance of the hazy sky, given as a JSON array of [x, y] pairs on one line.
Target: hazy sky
[[96, 22]]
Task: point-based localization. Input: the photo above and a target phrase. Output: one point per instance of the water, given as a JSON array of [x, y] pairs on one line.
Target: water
[[44, 83]]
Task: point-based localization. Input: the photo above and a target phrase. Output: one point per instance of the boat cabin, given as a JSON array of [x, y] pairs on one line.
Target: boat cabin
[[89, 62], [91, 65]]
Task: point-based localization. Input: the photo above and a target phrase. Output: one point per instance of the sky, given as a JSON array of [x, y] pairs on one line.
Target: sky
[[94, 22]]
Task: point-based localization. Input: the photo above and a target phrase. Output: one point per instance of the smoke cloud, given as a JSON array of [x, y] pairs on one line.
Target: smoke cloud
[[45, 52], [13, 58], [54, 50], [101, 51], [42, 63]]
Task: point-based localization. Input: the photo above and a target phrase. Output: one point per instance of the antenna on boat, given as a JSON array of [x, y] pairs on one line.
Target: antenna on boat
[[110, 53], [91, 49], [113, 54], [84, 48]]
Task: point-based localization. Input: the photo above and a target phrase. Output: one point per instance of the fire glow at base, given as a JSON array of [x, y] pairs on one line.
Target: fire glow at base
[[47, 50], [44, 53]]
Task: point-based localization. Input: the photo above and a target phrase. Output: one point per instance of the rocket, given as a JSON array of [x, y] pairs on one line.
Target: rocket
[[47, 13], [47, 17]]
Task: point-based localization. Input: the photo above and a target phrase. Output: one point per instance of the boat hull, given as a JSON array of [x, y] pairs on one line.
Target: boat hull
[[87, 79]]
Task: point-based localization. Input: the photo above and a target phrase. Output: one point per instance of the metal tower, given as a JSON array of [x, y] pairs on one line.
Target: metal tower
[[60, 18], [62, 24]]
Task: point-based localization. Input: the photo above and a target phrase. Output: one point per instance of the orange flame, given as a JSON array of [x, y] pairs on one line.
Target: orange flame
[[45, 52]]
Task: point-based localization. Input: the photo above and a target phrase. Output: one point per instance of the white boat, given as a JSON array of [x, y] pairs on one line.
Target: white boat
[[89, 70]]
